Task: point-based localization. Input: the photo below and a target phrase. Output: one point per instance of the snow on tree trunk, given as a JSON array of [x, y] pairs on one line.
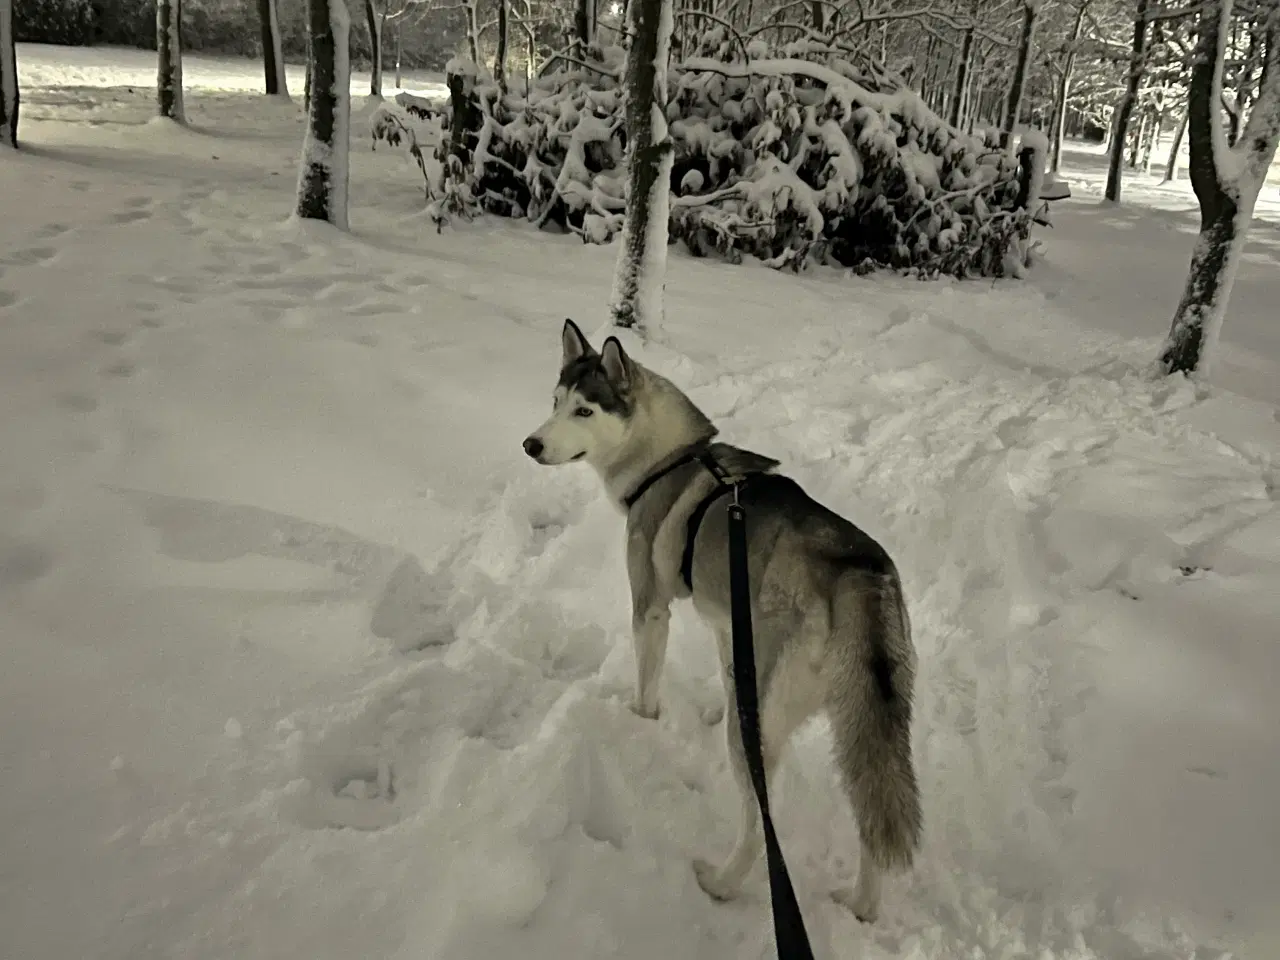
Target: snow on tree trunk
[[323, 178], [272, 57], [1064, 90], [1226, 180], [374, 23], [9, 99], [399, 72], [1137, 65], [1013, 109], [473, 29], [641, 268], [1171, 168], [965, 68], [169, 73], [500, 53]]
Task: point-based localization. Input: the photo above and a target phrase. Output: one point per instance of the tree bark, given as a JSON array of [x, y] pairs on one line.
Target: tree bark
[[639, 275], [1136, 141], [272, 56], [965, 68], [399, 73], [473, 30], [9, 96], [1227, 187], [1127, 103], [500, 54], [582, 23], [169, 72], [323, 179], [374, 22], [1064, 90], [1013, 108], [307, 77], [1171, 169]]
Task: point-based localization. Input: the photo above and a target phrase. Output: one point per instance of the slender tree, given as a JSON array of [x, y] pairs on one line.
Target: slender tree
[[582, 25], [1017, 89], [642, 255], [169, 72], [272, 56], [965, 69], [1226, 180], [1064, 87], [1120, 130], [323, 178], [473, 29], [373, 20], [1171, 169], [9, 99], [500, 54]]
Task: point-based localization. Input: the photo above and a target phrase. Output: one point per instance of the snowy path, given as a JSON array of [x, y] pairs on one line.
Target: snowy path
[[267, 538]]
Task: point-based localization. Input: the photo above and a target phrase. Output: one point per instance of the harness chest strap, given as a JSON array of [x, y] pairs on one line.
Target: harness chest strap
[[725, 484]]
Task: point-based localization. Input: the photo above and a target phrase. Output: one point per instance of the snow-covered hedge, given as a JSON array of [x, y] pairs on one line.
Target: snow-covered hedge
[[795, 155]]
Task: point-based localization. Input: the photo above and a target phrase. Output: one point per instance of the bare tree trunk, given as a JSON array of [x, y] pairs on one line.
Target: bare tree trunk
[[965, 68], [1030, 11], [272, 57], [399, 49], [582, 23], [1171, 169], [1157, 126], [639, 276], [500, 55], [816, 14], [169, 72], [1226, 185], [374, 22], [473, 30], [1136, 141], [531, 45], [1064, 90], [323, 179], [9, 98], [311, 59], [1137, 65]]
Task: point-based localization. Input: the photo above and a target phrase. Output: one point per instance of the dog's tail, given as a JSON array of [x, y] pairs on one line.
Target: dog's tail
[[870, 706]]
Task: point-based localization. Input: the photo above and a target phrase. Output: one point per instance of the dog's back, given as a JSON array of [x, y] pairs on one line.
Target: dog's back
[[822, 584]]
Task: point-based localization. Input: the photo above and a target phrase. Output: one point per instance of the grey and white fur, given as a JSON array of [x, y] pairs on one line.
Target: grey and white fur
[[831, 625]]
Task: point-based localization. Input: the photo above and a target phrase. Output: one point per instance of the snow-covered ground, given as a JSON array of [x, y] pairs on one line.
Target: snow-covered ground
[[301, 656]]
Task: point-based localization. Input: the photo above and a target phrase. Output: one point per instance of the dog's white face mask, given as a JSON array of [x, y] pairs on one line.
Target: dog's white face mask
[[591, 404]]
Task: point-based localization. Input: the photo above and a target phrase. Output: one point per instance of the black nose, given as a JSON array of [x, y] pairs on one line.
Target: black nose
[[533, 447]]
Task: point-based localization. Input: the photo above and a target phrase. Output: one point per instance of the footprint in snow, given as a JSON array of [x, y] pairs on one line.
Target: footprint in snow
[[31, 257]]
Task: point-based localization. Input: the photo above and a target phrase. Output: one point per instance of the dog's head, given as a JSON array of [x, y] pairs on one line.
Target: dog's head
[[592, 405]]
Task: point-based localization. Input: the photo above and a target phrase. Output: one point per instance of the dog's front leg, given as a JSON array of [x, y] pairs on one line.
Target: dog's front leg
[[649, 630]]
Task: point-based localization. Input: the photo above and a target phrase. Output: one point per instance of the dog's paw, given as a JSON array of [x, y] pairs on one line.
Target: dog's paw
[[709, 879], [647, 712], [713, 714], [866, 908]]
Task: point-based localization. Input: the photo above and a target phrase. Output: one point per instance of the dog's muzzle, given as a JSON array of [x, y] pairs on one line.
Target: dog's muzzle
[[533, 447]]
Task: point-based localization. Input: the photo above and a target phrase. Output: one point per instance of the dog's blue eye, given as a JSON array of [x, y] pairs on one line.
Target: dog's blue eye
[[583, 412]]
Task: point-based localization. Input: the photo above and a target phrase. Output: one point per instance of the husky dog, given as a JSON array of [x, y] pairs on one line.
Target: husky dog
[[831, 626]]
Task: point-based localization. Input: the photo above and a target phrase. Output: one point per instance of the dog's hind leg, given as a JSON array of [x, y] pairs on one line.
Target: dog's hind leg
[[785, 707]]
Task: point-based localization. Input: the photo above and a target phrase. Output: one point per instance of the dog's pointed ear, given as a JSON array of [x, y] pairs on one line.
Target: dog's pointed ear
[[616, 363], [574, 344]]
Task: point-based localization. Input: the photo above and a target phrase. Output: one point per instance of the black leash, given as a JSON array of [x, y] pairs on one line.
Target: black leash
[[790, 937]]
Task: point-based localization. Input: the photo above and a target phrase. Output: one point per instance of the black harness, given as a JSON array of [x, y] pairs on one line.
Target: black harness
[[790, 937], [724, 486]]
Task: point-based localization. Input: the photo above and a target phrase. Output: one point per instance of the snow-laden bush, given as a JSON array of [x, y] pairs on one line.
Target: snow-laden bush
[[64, 22], [795, 156]]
